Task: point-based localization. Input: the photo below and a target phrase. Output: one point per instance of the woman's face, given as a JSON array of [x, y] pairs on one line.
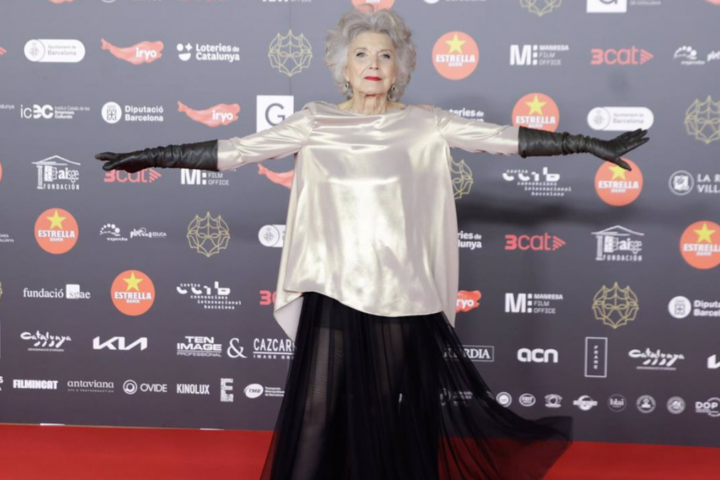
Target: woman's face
[[371, 64]]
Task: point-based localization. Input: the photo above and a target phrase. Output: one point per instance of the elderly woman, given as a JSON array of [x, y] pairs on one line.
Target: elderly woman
[[379, 387]]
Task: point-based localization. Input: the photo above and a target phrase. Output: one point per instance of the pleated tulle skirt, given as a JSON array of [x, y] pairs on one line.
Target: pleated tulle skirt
[[369, 397]]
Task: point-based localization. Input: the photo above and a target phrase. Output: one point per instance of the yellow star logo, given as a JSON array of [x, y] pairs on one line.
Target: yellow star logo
[[132, 282], [535, 106], [56, 221], [618, 172], [455, 44], [704, 234]]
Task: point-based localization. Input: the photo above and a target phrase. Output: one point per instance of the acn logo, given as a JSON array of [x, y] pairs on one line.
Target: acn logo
[[537, 355]]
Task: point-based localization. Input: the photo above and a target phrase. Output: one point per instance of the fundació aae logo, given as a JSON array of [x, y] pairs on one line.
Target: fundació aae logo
[[700, 245], [615, 306], [616, 186], [56, 231], [455, 55], [536, 110], [132, 292], [138, 54]]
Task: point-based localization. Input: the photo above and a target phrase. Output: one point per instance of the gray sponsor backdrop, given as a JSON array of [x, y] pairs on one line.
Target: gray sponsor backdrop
[[146, 299]]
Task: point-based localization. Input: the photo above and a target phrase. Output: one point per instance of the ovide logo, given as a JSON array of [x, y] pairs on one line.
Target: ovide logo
[[536, 110], [132, 292], [56, 231], [143, 52], [467, 301], [700, 245], [377, 4], [538, 243], [620, 56], [455, 55], [219, 115], [616, 186]]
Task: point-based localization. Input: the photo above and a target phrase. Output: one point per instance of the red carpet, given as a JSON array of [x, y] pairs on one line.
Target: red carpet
[[65, 453]]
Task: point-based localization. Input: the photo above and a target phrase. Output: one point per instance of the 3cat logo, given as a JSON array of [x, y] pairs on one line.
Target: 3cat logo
[[0, 172], [56, 231], [455, 55], [467, 301], [700, 245], [132, 292], [219, 115], [378, 4], [616, 186], [536, 110], [143, 52], [620, 56], [60, 1]]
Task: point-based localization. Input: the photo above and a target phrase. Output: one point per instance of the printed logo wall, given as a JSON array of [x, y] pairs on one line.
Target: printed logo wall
[[596, 292]]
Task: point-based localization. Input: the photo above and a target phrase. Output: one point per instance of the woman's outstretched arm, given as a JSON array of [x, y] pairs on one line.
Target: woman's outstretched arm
[[282, 140], [475, 136]]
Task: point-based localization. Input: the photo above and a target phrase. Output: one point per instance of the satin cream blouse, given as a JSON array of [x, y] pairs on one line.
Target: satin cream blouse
[[371, 220]]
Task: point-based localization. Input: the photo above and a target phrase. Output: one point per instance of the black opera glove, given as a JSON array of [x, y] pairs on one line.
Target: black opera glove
[[200, 156], [540, 143]]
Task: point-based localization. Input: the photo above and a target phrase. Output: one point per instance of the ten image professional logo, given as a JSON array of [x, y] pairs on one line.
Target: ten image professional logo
[[132, 292], [56, 231], [455, 55]]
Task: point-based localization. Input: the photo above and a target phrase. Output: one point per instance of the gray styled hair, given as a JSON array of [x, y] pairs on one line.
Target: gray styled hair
[[355, 22]]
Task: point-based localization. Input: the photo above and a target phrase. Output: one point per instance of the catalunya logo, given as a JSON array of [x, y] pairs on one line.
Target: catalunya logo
[[143, 52], [219, 115]]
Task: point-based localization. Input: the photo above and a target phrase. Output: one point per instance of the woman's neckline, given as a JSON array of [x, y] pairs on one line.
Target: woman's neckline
[[389, 112]]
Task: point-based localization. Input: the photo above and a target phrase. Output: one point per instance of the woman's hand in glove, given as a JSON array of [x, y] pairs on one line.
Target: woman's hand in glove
[[612, 150], [199, 156], [130, 162], [540, 143]]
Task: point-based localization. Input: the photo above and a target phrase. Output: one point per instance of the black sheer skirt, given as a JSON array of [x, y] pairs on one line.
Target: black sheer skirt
[[394, 398]]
